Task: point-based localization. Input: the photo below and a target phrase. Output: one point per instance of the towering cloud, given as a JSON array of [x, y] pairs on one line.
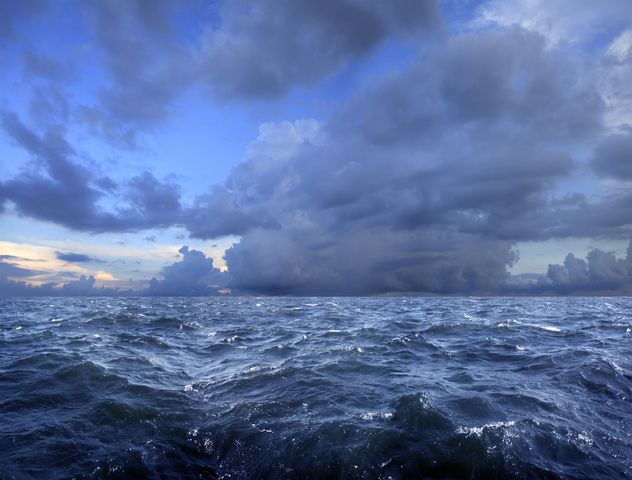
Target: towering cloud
[[194, 275], [423, 181], [601, 272]]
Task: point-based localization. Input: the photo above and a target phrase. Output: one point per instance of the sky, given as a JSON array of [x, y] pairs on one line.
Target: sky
[[315, 147]]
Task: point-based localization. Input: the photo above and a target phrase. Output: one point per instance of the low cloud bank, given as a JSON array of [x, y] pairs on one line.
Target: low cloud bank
[[600, 273], [469, 270], [194, 275]]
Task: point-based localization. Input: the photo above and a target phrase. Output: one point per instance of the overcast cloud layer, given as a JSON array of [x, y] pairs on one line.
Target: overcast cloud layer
[[487, 126]]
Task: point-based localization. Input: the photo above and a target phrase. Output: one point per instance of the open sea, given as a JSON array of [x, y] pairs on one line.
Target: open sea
[[315, 388]]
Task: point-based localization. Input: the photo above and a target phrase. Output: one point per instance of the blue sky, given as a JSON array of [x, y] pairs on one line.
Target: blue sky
[[316, 147]]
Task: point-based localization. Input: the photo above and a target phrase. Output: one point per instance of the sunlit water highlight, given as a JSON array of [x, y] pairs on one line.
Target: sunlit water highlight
[[316, 388]]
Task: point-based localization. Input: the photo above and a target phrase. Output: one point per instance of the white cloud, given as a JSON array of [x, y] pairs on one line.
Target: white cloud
[[570, 22], [283, 139]]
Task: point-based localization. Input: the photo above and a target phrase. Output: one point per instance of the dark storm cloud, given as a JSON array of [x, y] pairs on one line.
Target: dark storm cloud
[[310, 261], [152, 203], [194, 275], [216, 214], [147, 68], [424, 181], [488, 86], [63, 195], [265, 48], [248, 50], [613, 157], [74, 257], [58, 190], [341, 230]]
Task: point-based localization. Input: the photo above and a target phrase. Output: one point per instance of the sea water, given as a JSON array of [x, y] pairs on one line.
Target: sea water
[[315, 388]]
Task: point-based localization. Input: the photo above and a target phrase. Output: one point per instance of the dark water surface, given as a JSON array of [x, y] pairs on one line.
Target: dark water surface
[[316, 388]]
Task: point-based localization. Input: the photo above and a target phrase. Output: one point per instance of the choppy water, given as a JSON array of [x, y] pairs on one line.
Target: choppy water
[[316, 388]]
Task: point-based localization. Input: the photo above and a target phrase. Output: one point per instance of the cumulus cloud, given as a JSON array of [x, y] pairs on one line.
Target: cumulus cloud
[[82, 287], [600, 273], [194, 275]]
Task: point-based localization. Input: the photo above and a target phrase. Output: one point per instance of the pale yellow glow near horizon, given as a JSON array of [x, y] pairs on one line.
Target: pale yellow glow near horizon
[[44, 258]]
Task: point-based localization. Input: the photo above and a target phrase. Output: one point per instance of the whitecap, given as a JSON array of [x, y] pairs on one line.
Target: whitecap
[[254, 369], [550, 329], [373, 415], [400, 340], [478, 431]]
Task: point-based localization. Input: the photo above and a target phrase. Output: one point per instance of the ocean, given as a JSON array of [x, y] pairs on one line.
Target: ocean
[[316, 388]]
